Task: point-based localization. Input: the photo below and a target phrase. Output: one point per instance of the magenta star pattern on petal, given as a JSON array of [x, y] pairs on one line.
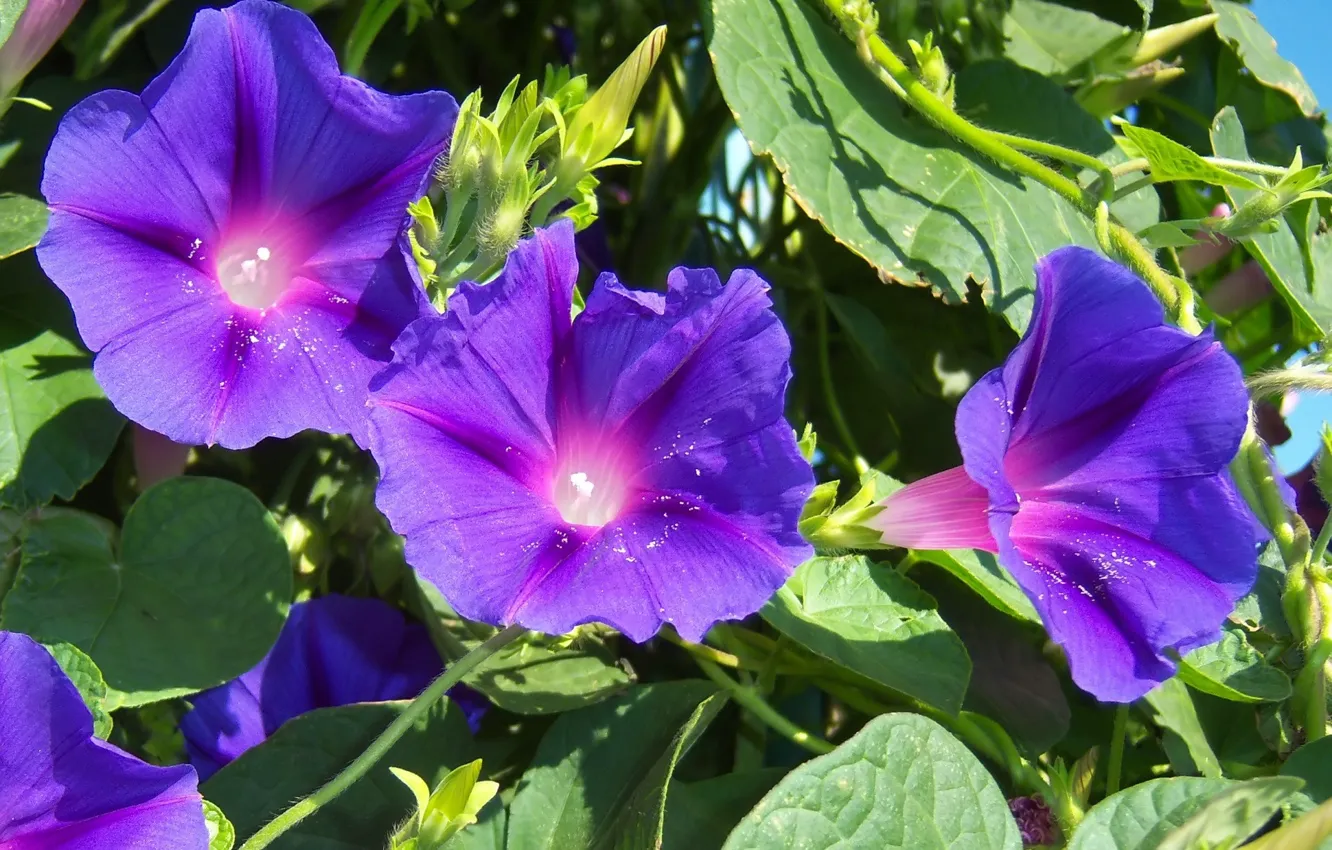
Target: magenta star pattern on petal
[[231, 239], [632, 466], [1095, 466]]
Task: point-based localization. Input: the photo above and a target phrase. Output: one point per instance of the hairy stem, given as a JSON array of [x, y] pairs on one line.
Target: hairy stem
[[753, 701], [330, 791]]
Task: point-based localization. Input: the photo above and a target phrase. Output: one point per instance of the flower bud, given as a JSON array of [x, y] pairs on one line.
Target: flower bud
[[600, 125], [37, 30], [453, 805], [933, 68]]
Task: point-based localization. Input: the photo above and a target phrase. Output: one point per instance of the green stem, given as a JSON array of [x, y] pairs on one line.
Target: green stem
[[374, 15], [1320, 545], [1311, 685], [753, 702], [1222, 162], [1105, 181], [1115, 768], [1130, 188], [274, 829], [829, 390], [1177, 296]]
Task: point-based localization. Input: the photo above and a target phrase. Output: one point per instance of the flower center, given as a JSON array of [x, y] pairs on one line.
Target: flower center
[[588, 496], [253, 276]]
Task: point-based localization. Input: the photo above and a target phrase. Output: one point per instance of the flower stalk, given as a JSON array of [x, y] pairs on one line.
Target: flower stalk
[[378, 748]]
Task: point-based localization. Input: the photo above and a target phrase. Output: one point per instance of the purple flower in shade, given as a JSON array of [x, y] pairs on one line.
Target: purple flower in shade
[[1094, 464], [230, 240], [61, 787], [631, 467], [334, 650]]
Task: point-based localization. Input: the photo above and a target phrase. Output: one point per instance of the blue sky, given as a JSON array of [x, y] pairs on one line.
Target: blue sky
[[1302, 29]]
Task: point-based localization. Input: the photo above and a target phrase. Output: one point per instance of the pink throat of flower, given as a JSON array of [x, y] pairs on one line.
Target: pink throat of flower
[[254, 272], [590, 485], [944, 511]]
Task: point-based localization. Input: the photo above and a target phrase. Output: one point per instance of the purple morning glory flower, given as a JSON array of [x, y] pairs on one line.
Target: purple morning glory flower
[[1095, 466], [62, 788], [631, 466], [334, 650], [230, 239]]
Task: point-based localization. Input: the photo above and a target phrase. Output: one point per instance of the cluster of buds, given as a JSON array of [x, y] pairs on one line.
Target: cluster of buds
[[442, 813], [1259, 213], [530, 160]]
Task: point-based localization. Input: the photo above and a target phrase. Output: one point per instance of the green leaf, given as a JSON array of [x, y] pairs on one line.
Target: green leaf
[[982, 573], [310, 749], [893, 190], [1279, 252], [1139, 818], [88, 679], [701, 814], [1231, 817], [1312, 763], [221, 834], [22, 219], [641, 824], [1261, 607], [56, 427], [1239, 27], [870, 619], [194, 596], [1173, 708], [1172, 161], [1233, 670], [528, 676], [1000, 95], [901, 782], [529, 679], [1012, 682], [1054, 40], [1310, 831], [594, 762]]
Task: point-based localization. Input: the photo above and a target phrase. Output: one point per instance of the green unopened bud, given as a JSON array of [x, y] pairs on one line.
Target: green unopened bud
[[566, 92], [1161, 42], [601, 124], [933, 68], [1107, 96], [465, 152], [453, 805], [504, 223], [1259, 213], [858, 18]]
